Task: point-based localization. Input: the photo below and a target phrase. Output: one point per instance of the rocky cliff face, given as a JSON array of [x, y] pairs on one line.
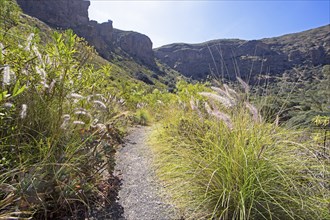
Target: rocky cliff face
[[226, 59], [135, 44], [231, 58], [59, 13], [107, 41]]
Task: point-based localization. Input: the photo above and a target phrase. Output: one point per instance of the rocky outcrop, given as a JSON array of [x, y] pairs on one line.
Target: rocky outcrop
[[59, 13], [249, 59], [135, 44], [98, 35], [107, 41]]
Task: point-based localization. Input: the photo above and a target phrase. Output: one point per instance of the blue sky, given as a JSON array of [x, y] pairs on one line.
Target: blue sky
[[195, 21]]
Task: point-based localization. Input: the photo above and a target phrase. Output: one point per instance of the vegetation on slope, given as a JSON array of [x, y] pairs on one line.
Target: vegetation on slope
[[63, 110], [62, 113], [297, 99], [221, 160]]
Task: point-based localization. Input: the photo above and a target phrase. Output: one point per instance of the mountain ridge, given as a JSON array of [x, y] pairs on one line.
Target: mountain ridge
[[221, 58], [228, 58]]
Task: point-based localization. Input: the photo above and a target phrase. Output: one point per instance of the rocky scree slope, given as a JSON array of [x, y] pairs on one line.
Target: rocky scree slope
[[308, 50], [108, 41]]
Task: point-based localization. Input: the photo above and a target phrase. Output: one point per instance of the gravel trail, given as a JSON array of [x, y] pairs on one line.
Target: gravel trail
[[140, 191]]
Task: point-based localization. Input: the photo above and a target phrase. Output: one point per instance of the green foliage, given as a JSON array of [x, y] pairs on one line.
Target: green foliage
[[62, 111], [225, 163], [58, 123], [9, 15], [186, 90], [298, 101], [142, 117], [323, 121]]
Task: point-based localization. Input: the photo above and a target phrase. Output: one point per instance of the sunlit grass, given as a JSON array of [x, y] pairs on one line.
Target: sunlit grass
[[59, 123], [248, 170]]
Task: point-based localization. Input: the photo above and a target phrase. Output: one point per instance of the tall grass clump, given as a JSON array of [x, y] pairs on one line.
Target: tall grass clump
[[220, 160], [58, 123]]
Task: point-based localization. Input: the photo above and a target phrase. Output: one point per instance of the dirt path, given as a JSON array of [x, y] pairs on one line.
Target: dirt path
[[140, 192]]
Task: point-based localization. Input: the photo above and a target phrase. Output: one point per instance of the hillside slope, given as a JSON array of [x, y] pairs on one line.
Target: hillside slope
[[233, 57], [129, 52], [303, 53]]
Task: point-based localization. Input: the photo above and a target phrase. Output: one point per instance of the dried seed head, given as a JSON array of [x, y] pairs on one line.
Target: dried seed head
[[277, 120], [2, 49], [29, 42], [42, 73], [230, 91], [227, 102], [121, 101], [225, 118], [244, 85], [6, 76], [100, 104], [51, 86], [8, 105], [141, 105], [83, 113], [76, 96], [192, 105], [23, 111], [66, 116], [80, 113], [101, 127], [66, 119], [254, 111], [45, 85], [94, 122], [38, 54], [219, 91], [47, 60], [78, 122], [208, 108]]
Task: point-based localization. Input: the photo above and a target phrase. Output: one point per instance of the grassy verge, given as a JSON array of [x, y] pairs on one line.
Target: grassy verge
[[222, 161]]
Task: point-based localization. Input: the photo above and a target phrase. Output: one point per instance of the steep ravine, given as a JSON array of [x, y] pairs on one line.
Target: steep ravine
[[140, 194]]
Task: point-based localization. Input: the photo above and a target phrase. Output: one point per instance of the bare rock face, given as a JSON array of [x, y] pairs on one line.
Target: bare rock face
[[135, 44], [59, 13], [227, 59], [98, 35], [108, 42]]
